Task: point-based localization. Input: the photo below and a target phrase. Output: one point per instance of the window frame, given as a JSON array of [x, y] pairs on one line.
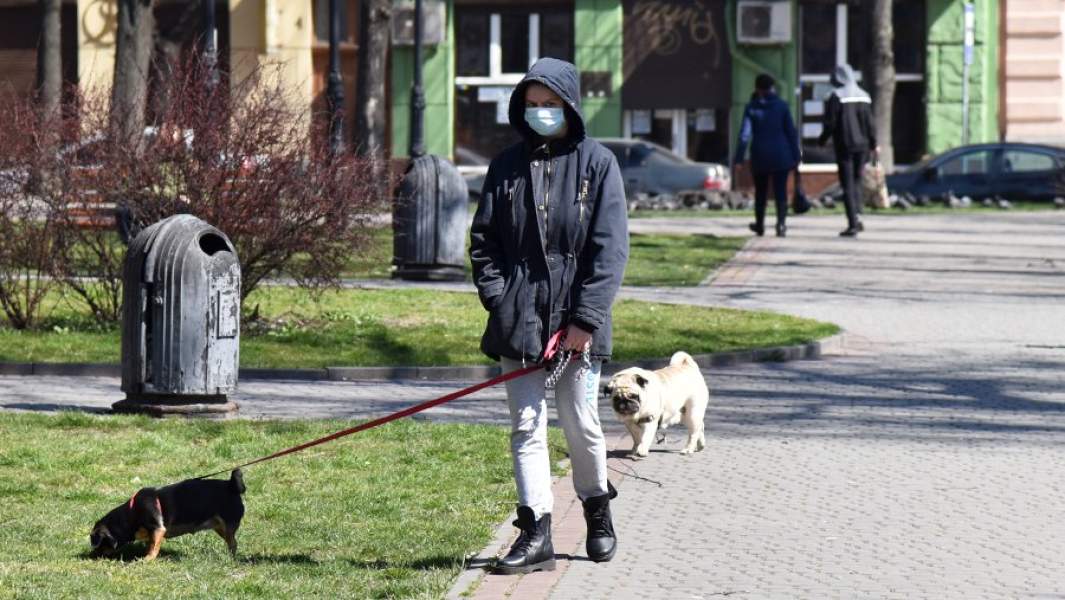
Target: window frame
[[496, 76]]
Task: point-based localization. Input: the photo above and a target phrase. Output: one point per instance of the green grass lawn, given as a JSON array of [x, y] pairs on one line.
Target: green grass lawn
[[655, 260], [419, 327], [677, 260], [388, 513]]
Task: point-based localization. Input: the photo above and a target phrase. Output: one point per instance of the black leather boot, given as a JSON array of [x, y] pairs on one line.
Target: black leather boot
[[532, 551], [601, 543]]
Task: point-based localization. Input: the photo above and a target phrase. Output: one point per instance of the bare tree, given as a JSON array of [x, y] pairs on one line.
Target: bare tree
[[374, 21], [883, 67], [49, 59], [133, 55]]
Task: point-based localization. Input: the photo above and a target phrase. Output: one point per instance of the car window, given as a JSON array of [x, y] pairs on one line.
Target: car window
[[970, 163], [638, 154], [619, 153], [1021, 161], [661, 158]]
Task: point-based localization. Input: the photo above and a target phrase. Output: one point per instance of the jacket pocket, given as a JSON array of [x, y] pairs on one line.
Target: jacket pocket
[[508, 330]]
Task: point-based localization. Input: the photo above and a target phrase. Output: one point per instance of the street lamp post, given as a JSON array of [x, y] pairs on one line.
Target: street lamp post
[[335, 88], [210, 45], [417, 92], [429, 216]]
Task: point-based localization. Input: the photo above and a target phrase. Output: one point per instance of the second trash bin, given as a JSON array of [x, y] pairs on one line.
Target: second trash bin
[[180, 320]]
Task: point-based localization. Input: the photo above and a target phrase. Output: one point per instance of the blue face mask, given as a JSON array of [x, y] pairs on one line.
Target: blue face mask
[[545, 121]]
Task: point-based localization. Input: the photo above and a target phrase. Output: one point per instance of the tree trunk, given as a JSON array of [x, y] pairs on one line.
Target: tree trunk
[[49, 60], [374, 21], [883, 79], [133, 55]]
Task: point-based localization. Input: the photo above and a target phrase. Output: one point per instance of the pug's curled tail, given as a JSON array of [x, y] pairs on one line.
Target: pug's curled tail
[[682, 359], [236, 481]]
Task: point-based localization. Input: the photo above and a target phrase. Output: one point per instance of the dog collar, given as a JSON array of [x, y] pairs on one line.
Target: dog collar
[[158, 504]]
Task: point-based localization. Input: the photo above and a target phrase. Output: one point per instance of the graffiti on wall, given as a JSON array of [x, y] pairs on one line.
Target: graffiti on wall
[[677, 45]]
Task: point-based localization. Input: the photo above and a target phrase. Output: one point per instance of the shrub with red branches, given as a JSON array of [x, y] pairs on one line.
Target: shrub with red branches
[[241, 157]]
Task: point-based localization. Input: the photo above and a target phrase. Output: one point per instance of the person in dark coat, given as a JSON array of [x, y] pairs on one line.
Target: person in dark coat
[[849, 122], [549, 244], [770, 131]]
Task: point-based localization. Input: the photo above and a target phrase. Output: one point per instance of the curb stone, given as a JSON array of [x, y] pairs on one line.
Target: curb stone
[[809, 350]]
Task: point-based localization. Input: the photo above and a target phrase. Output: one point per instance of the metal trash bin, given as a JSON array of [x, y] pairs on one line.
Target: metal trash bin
[[180, 320], [429, 222]]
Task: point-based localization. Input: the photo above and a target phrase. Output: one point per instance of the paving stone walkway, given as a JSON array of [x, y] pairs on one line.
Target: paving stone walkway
[[924, 458]]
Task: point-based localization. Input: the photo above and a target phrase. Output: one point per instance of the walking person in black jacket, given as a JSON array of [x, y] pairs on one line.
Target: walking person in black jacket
[[770, 131], [849, 122], [549, 243]]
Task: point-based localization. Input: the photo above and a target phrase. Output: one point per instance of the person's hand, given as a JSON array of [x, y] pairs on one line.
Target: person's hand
[[577, 339]]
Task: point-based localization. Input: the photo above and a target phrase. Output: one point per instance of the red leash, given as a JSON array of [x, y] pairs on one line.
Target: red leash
[[549, 352]]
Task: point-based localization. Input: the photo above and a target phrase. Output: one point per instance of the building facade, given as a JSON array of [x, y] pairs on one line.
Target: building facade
[[676, 72], [1033, 59], [679, 72]]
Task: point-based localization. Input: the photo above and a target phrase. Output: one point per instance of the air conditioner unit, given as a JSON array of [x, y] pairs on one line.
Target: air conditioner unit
[[434, 23], [763, 22]]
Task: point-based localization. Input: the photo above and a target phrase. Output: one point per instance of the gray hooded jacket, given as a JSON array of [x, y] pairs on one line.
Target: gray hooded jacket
[[848, 115], [549, 241]]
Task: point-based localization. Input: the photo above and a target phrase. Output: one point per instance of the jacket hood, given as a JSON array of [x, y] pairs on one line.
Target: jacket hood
[[846, 82], [561, 78]]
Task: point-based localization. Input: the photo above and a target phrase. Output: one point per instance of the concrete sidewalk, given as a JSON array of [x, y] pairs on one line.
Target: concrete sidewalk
[[924, 460]]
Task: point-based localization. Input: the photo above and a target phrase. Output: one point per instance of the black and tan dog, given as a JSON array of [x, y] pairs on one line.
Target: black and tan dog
[[186, 507]]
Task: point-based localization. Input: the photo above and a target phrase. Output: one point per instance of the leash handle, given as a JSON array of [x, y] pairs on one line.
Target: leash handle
[[549, 351]]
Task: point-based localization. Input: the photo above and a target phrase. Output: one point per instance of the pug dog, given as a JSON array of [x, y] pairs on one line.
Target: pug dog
[[646, 401]]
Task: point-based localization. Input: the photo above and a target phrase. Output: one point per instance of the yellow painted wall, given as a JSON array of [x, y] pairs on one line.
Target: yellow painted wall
[[97, 22], [276, 36]]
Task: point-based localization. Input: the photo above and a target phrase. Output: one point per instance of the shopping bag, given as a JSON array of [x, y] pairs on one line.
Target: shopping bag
[[874, 186], [799, 202]]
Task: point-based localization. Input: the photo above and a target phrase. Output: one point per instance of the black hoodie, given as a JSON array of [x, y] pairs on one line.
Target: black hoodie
[[848, 115], [549, 241]]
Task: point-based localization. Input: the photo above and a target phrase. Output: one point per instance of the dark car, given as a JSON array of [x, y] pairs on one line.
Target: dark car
[[651, 169], [1009, 170]]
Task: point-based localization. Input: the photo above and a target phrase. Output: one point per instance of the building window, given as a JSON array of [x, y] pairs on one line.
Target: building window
[[471, 48], [838, 32], [499, 43], [495, 46], [321, 21]]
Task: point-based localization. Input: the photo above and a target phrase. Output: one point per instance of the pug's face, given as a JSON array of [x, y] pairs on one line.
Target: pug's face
[[625, 390]]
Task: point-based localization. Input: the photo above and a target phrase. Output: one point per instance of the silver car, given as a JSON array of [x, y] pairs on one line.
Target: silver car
[[652, 170]]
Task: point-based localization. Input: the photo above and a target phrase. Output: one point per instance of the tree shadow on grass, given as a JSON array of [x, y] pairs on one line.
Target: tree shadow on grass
[[287, 559], [429, 563], [133, 552], [45, 407], [395, 352]]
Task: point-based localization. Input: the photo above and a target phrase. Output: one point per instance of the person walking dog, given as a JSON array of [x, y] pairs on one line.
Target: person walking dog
[[849, 122], [549, 243], [770, 131]]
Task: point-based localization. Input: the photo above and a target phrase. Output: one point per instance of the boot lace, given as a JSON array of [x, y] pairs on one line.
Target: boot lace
[[599, 521], [524, 541]]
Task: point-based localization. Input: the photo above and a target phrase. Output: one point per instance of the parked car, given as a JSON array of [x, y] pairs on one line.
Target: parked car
[[1009, 170], [647, 168], [650, 169], [473, 167]]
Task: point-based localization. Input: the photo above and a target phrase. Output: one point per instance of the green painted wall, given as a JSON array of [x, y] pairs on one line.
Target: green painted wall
[[597, 32], [944, 74], [438, 78], [748, 61]]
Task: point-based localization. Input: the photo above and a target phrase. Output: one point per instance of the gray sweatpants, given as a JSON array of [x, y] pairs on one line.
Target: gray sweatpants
[[578, 412]]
